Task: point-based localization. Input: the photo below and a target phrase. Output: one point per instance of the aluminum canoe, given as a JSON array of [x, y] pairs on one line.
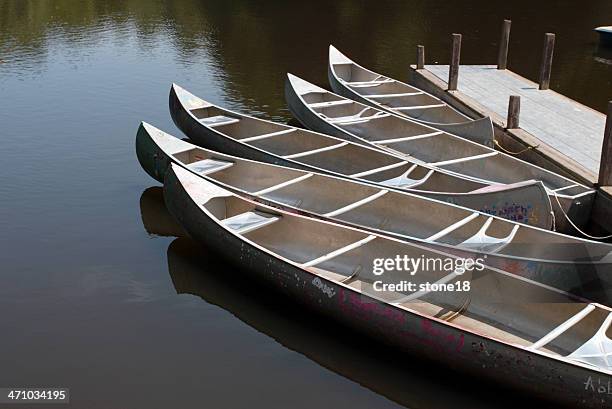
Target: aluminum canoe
[[574, 265], [510, 330], [324, 111], [240, 135], [349, 79]]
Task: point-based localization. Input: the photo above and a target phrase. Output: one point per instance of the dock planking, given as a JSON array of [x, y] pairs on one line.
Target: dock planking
[[574, 130]]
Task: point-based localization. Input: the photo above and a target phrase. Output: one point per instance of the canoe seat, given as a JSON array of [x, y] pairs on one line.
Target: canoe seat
[[485, 243], [404, 182], [206, 166], [218, 120], [597, 351], [249, 221]]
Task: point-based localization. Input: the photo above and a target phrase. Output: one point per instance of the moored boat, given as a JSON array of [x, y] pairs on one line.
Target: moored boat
[[574, 265], [240, 135], [324, 111], [351, 80], [516, 332]]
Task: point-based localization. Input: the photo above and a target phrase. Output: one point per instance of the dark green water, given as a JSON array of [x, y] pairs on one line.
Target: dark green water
[[88, 280]]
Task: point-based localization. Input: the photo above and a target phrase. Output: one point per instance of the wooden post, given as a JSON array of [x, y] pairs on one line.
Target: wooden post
[[453, 70], [605, 167], [502, 57], [420, 57], [547, 58], [514, 112]]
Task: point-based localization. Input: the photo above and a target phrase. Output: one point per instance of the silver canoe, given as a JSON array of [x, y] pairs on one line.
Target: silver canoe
[[353, 81], [252, 138], [581, 267], [324, 111], [509, 330]]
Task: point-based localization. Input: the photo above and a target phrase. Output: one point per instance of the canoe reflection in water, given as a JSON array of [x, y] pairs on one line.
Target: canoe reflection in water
[[199, 271], [603, 54]]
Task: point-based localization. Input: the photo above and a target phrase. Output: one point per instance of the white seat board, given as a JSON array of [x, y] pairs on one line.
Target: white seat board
[[249, 221], [218, 120], [207, 166]]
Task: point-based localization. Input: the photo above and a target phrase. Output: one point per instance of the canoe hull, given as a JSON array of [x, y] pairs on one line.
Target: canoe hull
[[477, 130], [407, 331], [207, 138]]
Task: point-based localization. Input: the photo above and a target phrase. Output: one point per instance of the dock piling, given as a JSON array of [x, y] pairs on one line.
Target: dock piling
[[453, 72], [605, 166], [420, 57], [502, 57], [514, 112], [547, 58]]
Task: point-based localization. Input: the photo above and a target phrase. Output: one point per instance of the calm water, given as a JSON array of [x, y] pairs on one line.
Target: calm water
[[96, 294]]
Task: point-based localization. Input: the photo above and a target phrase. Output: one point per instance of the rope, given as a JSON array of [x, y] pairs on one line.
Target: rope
[[496, 142], [574, 225]]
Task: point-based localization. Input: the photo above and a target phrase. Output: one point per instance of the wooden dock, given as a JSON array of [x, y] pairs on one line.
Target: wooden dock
[[571, 128], [531, 121], [555, 132], [564, 135]]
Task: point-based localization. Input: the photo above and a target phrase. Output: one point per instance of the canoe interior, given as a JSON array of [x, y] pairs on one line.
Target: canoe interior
[[402, 214], [341, 158], [427, 144], [498, 305], [439, 112]]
